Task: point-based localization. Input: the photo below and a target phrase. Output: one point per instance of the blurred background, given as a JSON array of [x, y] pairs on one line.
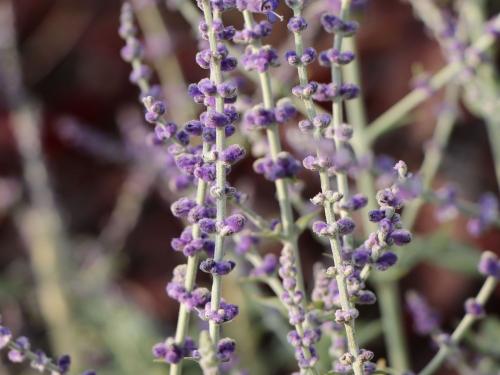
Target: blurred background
[[85, 225]]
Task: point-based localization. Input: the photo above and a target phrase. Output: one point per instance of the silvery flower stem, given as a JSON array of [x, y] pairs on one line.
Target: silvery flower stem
[[482, 297], [272, 133], [329, 212], [387, 294], [192, 268], [220, 168], [338, 117]]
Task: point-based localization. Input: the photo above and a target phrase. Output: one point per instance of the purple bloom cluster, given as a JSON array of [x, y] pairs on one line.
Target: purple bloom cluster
[[292, 297], [193, 299], [20, 351], [425, 320], [487, 214], [172, 353], [390, 231], [283, 166]]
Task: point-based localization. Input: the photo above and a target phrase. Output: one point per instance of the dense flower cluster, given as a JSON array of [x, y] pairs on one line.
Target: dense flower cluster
[[19, 351], [198, 152]]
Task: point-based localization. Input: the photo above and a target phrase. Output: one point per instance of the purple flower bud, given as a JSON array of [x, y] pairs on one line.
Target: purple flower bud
[[322, 120], [296, 24], [205, 172], [386, 261], [233, 224], [5, 336], [345, 226], [401, 237], [213, 267], [284, 111], [208, 225], [182, 206], [308, 56], [489, 265], [232, 154], [207, 87], [164, 132], [214, 119], [305, 126], [474, 308], [425, 319], [225, 348], [292, 58]]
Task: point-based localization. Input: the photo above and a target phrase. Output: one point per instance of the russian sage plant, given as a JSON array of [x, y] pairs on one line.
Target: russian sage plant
[[337, 288], [363, 215]]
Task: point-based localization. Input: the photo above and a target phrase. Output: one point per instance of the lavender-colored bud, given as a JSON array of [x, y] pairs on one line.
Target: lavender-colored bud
[[308, 56], [297, 24], [322, 121], [284, 110], [201, 212], [425, 319], [228, 64], [323, 229], [194, 127], [356, 202], [207, 87], [361, 256], [386, 261], [268, 266], [203, 58], [233, 224], [344, 132], [214, 119], [5, 336], [182, 206], [64, 364], [331, 23], [306, 126], [489, 265], [208, 225], [292, 58], [232, 154], [474, 308], [18, 356], [400, 237], [345, 226], [142, 72], [227, 89], [349, 91], [366, 297], [220, 268], [40, 361], [165, 131], [326, 92], [245, 242], [310, 162], [225, 348], [132, 50]]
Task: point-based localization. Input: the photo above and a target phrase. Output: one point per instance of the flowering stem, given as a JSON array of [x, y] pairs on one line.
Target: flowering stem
[[462, 328], [387, 292], [337, 116], [272, 132], [192, 267], [220, 168], [325, 187]]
